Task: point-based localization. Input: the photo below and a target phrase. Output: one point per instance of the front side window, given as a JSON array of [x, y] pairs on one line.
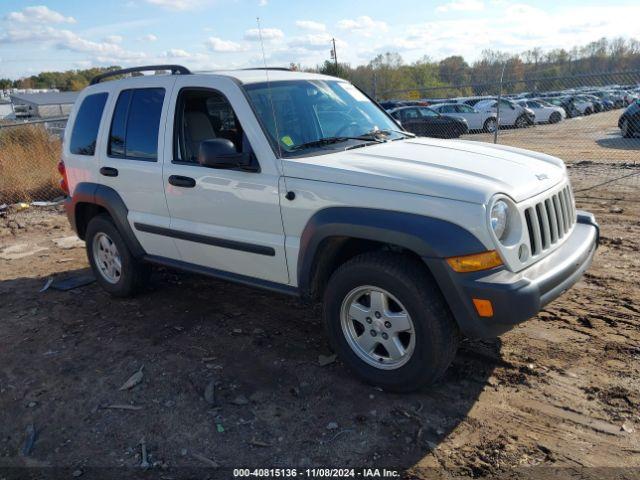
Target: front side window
[[427, 112], [302, 115], [465, 109], [204, 115], [86, 125], [410, 114], [136, 123]]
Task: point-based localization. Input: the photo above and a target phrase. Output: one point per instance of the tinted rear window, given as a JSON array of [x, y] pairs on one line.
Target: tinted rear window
[[135, 124], [87, 123]]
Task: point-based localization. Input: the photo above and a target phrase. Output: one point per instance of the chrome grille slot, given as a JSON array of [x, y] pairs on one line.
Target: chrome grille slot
[[550, 220]]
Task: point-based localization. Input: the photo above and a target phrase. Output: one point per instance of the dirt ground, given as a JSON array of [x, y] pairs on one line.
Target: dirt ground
[[559, 391]]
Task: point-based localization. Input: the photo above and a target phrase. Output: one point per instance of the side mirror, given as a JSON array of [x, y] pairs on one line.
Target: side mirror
[[219, 153]]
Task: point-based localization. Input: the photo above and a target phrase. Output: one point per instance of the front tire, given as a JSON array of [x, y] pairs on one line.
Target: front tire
[[387, 320], [555, 117], [625, 128], [116, 270]]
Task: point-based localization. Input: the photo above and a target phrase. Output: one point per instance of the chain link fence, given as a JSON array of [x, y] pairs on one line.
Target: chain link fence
[[580, 119], [29, 154]]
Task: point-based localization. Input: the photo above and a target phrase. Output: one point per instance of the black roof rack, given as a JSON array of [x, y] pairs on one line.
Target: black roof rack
[[175, 70], [284, 69]]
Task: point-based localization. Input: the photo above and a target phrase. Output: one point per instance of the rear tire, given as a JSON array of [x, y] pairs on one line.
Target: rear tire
[[521, 122], [490, 125], [555, 117], [116, 270], [372, 345]]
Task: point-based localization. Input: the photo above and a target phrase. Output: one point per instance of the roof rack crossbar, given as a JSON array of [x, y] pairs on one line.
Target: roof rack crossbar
[[175, 70], [283, 69]]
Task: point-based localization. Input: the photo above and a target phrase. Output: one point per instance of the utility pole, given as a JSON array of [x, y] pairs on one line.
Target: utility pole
[[335, 54]]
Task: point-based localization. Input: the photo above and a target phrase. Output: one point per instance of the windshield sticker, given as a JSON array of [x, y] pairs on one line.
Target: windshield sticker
[[354, 92], [287, 140]]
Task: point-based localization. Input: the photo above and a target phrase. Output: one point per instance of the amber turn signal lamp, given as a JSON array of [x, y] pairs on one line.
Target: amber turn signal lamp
[[475, 262], [483, 307]]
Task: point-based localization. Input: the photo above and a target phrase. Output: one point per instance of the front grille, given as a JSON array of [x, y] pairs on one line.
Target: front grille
[[550, 220]]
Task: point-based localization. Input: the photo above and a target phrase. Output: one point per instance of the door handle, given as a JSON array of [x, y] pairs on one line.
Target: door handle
[[109, 171], [180, 181]]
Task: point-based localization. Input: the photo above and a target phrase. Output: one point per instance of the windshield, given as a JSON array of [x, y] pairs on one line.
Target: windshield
[[308, 111]]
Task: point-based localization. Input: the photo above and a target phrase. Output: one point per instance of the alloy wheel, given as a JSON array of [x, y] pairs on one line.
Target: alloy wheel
[[377, 327], [107, 258]]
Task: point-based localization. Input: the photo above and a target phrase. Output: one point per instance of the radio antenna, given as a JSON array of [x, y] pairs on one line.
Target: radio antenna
[[273, 108]]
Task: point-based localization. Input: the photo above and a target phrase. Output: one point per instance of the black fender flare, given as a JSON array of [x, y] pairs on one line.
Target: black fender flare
[[425, 236], [111, 201]]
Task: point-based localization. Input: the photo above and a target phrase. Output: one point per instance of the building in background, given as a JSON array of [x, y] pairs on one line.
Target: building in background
[[42, 105]]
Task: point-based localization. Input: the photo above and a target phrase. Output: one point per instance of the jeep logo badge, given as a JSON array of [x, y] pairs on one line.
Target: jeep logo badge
[[542, 176]]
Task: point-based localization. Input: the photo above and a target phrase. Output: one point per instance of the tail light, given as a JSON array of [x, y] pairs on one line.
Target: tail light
[[63, 173]]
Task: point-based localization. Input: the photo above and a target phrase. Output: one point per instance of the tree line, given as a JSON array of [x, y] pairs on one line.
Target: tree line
[[597, 63], [389, 76]]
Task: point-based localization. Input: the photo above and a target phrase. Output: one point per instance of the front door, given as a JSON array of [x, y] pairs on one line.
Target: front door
[[224, 219]]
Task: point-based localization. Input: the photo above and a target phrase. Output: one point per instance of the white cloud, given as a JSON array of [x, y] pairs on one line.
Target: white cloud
[[315, 41], [253, 34], [176, 53], [262, 3], [462, 6], [39, 14], [149, 37], [311, 25], [363, 25], [223, 46], [113, 39], [68, 40], [176, 4]]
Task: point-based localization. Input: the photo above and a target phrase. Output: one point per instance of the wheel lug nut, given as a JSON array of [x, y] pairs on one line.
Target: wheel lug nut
[[369, 320], [387, 324], [373, 333], [385, 336], [378, 315]]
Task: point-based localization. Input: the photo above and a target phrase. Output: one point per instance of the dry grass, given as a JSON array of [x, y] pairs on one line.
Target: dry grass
[[28, 160]]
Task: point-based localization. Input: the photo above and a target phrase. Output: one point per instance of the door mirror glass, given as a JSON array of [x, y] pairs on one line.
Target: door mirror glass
[[218, 153]]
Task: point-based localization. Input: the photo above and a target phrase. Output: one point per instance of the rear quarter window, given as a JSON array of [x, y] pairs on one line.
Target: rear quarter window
[[86, 125]]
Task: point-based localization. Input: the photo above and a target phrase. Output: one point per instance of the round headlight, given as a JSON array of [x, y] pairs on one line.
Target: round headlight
[[499, 218]]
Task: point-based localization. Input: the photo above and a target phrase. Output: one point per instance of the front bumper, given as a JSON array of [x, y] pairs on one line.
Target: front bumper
[[519, 296]]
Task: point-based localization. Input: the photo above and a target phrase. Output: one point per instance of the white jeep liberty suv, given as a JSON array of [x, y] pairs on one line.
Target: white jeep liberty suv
[[301, 184]]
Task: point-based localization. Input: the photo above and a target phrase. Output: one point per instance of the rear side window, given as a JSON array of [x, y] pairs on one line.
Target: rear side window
[[135, 124], [87, 123]]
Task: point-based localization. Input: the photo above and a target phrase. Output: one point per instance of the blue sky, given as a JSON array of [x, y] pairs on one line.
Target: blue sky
[[211, 34]]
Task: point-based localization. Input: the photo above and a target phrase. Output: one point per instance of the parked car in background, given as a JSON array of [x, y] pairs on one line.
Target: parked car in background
[[607, 100], [511, 114], [566, 103], [425, 122], [476, 120], [629, 122], [545, 112], [598, 106], [582, 104]]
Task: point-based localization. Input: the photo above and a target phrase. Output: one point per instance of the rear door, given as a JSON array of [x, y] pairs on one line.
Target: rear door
[[131, 156], [471, 115]]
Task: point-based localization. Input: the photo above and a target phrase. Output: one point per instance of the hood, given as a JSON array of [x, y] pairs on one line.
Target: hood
[[461, 170]]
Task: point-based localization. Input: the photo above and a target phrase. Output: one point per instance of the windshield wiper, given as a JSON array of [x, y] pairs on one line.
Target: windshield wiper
[[387, 131], [331, 140]]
